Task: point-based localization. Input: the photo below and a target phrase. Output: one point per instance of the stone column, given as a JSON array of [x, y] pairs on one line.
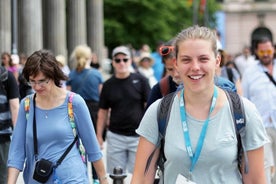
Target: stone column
[[5, 26], [30, 29], [95, 27], [54, 26], [76, 25]]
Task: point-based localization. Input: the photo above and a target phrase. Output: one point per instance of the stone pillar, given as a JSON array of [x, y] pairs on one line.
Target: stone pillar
[[76, 29], [30, 36], [54, 26], [5, 26], [95, 27]]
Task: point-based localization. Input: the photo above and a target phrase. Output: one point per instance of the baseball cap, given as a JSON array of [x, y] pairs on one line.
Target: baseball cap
[[121, 50]]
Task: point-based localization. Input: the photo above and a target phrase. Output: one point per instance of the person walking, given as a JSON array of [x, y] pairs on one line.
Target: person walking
[[259, 86], [87, 82], [200, 141], [49, 124], [122, 101], [9, 105]]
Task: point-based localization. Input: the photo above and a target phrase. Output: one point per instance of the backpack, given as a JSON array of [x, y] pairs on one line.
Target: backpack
[[163, 114], [71, 120]]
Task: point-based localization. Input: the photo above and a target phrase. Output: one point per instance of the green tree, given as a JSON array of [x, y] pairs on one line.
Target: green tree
[[135, 22]]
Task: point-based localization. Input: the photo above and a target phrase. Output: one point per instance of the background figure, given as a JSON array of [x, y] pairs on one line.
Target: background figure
[[245, 60], [9, 106], [124, 95], [258, 87], [200, 123], [64, 67], [87, 82], [171, 80], [8, 63], [157, 66], [56, 121], [145, 68], [229, 73], [24, 88]]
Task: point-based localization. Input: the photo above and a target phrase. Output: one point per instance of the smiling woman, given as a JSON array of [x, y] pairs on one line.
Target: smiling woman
[[200, 124]]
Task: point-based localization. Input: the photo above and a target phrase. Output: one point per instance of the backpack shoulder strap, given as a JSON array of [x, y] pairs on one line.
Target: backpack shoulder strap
[[164, 86], [73, 126], [163, 113], [27, 105], [237, 110]]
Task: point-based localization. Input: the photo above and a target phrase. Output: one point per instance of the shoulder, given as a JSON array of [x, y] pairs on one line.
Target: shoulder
[[75, 98]]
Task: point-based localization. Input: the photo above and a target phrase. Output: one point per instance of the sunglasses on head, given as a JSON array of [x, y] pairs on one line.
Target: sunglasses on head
[[119, 60], [165, 50], [262, 53]]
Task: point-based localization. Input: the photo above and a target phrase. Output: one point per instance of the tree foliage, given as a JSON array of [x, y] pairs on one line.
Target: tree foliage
[[135, 22]]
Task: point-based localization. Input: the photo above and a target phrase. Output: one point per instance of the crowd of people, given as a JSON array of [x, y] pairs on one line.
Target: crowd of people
[[55, 119]]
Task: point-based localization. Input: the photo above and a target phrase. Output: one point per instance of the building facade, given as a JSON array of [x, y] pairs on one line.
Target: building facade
[[57, 25], [245, 21]]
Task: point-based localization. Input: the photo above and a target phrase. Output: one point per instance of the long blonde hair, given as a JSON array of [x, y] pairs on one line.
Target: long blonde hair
[[82, 55]]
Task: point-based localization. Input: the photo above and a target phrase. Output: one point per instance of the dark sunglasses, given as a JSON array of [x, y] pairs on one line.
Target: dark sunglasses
[[119, 60], [165, 50]]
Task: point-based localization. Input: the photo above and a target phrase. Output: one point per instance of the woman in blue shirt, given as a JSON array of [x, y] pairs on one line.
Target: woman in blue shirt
[[54, 131]]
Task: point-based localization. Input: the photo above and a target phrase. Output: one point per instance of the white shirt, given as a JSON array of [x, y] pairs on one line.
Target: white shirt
[[258, 88]]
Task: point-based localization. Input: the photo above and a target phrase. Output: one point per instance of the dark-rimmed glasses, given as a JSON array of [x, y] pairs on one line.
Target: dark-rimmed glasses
[[165, 50], [40, 83], [119, 60]]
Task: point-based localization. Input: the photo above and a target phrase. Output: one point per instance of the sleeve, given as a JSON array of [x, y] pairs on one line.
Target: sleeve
[[255, 136], [155, 94], [147, 90], [17, 149], [148, 127], [86, 129], [103, 104], [13, 89]]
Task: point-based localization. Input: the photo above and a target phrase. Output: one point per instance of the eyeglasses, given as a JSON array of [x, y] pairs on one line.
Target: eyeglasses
[[262, 53], [40, 83], [119, 60], [165, 50]]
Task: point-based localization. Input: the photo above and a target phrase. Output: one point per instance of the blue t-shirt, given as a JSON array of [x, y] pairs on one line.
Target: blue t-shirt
[[157, 66], [54, 135], [86, 83]]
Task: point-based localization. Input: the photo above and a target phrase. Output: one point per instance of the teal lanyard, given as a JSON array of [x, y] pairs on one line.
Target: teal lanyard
[[194, 156]]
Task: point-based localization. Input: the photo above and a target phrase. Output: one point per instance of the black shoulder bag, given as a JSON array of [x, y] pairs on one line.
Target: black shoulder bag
[[43, 167]]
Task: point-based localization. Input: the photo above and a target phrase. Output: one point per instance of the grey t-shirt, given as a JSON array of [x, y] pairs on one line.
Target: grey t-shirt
[[217, 162]]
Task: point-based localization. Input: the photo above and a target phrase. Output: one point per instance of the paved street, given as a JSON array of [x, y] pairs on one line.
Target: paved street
[[127, 180]]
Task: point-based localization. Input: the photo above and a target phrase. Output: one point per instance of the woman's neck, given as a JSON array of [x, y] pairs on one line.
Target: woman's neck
[[52, 99], [198, 104]]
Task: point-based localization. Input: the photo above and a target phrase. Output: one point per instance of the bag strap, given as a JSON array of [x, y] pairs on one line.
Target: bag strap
[[35, 139], [230, 74], [74, 127], [164, 86], [238, 114], [271, 78], [162, 119]]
